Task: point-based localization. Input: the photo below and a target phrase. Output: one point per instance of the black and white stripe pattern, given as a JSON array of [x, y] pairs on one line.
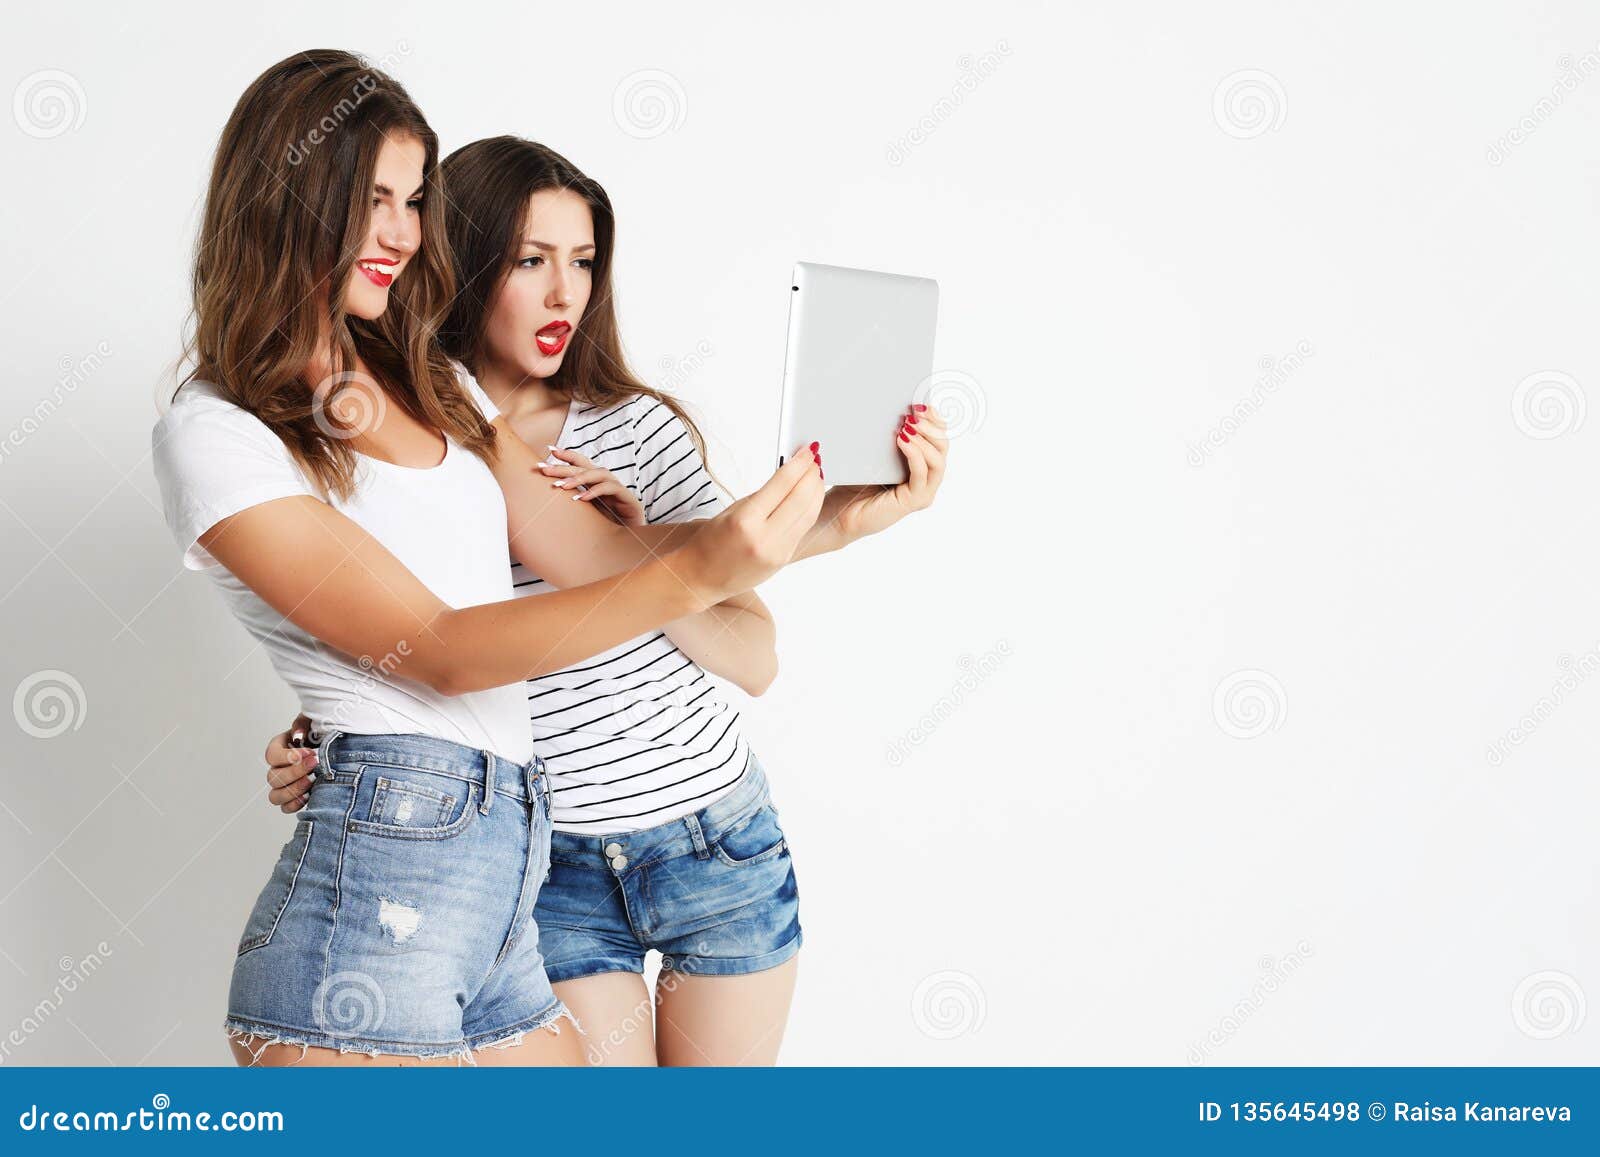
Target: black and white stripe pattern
[[639, 735]]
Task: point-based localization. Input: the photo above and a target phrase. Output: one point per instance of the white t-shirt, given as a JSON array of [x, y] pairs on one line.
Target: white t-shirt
[[446, 524], [638, 735]]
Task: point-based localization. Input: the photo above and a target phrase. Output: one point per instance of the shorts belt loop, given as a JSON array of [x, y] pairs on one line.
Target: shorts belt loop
[[488, 782], [701, 851], [544, 781]]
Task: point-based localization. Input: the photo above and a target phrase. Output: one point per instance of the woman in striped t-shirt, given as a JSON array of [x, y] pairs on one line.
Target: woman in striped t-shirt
[[665, 836]]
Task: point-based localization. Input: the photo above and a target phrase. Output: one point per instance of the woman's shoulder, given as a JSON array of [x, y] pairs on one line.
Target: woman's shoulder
[[201, 410]]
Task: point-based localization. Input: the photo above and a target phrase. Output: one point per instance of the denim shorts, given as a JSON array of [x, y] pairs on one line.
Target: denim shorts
[[399, 918], [714, 892]]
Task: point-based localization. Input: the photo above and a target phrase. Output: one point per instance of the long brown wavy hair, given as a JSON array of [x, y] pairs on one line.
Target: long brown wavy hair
[[286, 216], [490, 183]]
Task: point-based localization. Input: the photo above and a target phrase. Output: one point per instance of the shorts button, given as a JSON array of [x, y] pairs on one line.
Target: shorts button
[[613, 849], [619, 862]]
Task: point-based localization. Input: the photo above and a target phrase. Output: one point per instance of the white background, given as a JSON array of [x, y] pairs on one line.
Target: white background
[[1080, 860]]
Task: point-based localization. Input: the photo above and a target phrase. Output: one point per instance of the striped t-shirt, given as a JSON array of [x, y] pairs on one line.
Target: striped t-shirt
[[638, 735]]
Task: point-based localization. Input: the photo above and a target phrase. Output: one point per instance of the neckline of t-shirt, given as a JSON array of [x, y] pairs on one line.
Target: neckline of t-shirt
[[449, 449]]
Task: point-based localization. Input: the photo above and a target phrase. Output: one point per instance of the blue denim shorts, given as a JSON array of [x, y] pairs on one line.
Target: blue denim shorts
[[399, 918], [714, 892]]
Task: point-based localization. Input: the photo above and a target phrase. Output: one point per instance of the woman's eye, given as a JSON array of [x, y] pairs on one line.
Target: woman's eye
[[585, 263], [415, 204], [525, 263]]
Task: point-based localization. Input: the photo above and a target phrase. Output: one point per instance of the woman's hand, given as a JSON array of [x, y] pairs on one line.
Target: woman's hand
[[857, 511], [289, 768], [604, 488]]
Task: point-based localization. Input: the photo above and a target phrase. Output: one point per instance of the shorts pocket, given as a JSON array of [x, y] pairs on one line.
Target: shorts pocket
[[404, 809], [753, 842], [275, 897]]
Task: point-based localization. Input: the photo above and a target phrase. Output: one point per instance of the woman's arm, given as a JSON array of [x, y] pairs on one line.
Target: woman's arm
[[736, 639], [327, 575]]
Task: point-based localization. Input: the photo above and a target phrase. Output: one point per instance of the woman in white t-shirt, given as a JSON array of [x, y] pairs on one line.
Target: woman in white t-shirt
[[330, 472], [666, 838]]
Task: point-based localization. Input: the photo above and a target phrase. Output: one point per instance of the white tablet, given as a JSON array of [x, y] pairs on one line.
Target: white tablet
[[860, 343]]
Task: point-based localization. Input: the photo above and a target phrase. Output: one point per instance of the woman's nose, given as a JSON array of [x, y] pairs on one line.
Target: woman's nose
[[399, 234], [560, 290]]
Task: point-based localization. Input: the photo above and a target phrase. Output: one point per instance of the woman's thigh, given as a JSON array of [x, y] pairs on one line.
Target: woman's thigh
[[614, 1009], [723, 1020]]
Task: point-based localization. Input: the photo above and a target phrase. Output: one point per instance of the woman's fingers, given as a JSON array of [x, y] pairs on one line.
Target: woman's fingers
[[587, 476], [289, 791], [915, 451], [302, 763], [295, 805], [572, 457]]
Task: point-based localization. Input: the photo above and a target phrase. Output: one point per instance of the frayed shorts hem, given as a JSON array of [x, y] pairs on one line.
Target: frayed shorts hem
[[257, 1036]]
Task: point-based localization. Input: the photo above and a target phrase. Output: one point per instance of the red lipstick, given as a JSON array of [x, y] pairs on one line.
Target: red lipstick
[[552, 338], [378, 278]]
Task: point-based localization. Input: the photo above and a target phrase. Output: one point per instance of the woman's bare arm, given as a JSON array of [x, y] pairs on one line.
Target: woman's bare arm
[[736, 639], [327, 575]]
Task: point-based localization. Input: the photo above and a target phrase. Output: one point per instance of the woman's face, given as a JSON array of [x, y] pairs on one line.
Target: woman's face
[[534, 313], [395, 230]]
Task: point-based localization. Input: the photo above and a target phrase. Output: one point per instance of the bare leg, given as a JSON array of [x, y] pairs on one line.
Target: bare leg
[[542, 1047], [723, 1020], [614, 1009]]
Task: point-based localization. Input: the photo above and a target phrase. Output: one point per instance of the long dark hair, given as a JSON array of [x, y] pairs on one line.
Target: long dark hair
[[286, 213], [490, 183]]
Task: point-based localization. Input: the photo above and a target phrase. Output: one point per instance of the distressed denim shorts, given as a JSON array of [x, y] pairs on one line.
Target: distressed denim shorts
[[399, 918], [714, 892]]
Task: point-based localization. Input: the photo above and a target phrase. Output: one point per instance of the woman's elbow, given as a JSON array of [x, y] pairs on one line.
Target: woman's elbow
[[758, 680]]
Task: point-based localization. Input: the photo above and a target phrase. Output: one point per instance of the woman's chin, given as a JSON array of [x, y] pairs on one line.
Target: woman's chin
[[366, 302], [540, 366]]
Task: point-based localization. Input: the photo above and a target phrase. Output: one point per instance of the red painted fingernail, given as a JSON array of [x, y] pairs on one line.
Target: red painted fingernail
[[911, 421], [814, 446], [904, 437], [919, 406]]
